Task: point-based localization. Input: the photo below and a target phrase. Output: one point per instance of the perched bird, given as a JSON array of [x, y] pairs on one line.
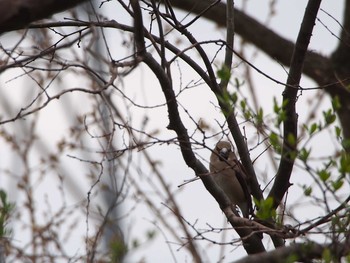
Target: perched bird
[[229, 175]]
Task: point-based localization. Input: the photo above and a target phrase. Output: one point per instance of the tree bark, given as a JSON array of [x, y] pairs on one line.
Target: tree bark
[[17, 14], [290, 124]]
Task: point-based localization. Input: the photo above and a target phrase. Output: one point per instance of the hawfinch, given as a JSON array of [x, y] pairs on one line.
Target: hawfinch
[[229, 175]]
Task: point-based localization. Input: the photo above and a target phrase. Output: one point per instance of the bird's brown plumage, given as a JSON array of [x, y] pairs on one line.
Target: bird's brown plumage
[[230, 176]]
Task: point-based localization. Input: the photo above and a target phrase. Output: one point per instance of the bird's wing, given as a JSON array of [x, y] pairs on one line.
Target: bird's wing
[[242, 179]]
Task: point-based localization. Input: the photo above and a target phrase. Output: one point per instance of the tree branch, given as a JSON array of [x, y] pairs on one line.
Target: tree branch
[[303, 252], [340, 62], [342, 53], [290, 134], [18, 14], [230, 32]]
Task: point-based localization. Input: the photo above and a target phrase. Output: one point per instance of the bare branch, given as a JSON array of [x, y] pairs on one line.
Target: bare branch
[[290, 133], [230, 32]]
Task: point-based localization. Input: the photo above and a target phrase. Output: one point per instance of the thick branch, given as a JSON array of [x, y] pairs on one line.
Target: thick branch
[[18, 14], [304, 252], [342, 54], [290, 135], [340, 61], [230, 33]]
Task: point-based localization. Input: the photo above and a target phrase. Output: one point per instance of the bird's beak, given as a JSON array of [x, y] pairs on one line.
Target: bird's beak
[[223, 154]]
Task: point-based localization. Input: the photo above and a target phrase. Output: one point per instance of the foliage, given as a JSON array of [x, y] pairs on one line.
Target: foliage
[[6, 209]]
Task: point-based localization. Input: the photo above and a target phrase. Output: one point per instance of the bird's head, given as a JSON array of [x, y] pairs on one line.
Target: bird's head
[[223, 149]]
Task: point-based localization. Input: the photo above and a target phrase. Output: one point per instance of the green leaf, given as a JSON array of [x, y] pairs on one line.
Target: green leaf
[[337, 184], [3, 196], [224, 73], [344, 163], [151, 234], [324, 175], [275, 142], [279, 110], [6, 208], [135, 243], [238, 84], [307, 191], [291, 258], [336, 103], [337, 131], [329, 116], [326, 255], [243, 105], [305, 127], [265, 209], [276, 107], [228, 99], [282, 116], [284, 103], [118, 250], [247, 115], [260, 117], [233, 98], [313, 128], [224, 97], [345, 143], [304, 154]]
